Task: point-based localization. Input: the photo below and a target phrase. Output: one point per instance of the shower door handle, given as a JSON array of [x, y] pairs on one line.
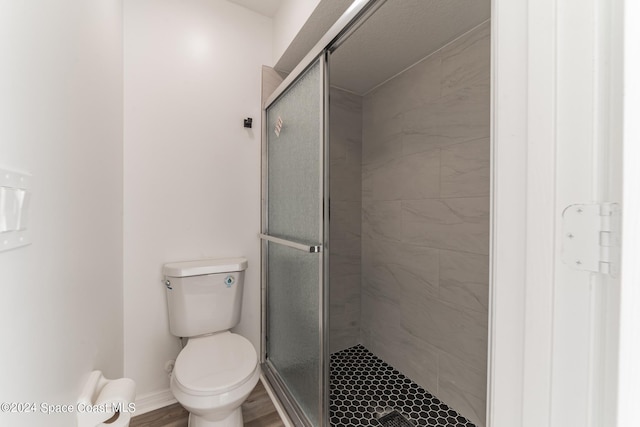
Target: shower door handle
[[295, 245]]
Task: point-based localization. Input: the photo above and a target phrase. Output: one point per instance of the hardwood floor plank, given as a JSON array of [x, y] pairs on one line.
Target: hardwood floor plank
[[257, 405], [257, 411], [170, 416], [271, 419]]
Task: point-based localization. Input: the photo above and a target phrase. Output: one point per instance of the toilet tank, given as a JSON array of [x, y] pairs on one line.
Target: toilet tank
[[204, 296]]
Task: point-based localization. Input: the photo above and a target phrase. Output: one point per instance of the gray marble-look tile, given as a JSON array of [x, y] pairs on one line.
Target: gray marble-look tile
[[377, 152], [411, 89], [345, 180], [344, 257], [341, 339], [376, 128], [465, 169], [349, 286], [345, 219], [344, 309], [344, 318], [381, 138], [399, 268], [420, 84], [464, 279], [417, 360], [381, 282], [354, 153], [420, 175], [346, 101], [381, 105], [464, 115], [382, 220], [420, 129], [345, 115], [345, 291], [467, 61], [379, 316], [453, 330], [337, 149], [463, 387], [458, 224], [382, 333], [383, 181]]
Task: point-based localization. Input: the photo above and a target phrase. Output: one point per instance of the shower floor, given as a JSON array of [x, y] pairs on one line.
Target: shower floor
[[363, 387]]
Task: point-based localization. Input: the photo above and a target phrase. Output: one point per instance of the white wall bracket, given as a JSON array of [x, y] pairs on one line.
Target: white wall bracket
[[15, 195], [591, 237]]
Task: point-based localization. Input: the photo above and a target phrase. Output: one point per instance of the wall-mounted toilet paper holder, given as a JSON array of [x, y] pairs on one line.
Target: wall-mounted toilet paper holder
[[104, 399]]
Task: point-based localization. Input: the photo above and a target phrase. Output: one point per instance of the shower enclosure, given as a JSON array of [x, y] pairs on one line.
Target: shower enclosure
[[375, 220]]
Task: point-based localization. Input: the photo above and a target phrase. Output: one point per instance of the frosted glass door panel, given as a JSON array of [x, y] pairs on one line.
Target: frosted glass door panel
[[294, 213], [294, 161], [293, 323]]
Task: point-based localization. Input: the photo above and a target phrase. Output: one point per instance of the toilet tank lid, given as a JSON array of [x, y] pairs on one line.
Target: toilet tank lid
[[204, 266]]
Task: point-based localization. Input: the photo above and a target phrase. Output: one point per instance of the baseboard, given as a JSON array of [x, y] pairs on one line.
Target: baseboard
[[152, 401], [283, 414]]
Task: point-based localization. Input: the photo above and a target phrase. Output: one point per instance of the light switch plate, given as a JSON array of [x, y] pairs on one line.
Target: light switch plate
[[15, 195]]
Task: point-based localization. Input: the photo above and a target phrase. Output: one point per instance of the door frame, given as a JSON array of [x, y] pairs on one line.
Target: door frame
[[629, 374], [527, 40]]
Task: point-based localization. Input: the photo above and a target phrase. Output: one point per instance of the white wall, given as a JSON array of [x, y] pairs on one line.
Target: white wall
[[192, 72], [289, 19], [61, 120]]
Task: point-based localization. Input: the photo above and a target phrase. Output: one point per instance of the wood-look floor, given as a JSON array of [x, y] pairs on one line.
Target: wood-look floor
[[257, 411]]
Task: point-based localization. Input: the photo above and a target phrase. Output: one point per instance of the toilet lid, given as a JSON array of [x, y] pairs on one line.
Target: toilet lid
[[215, 363]]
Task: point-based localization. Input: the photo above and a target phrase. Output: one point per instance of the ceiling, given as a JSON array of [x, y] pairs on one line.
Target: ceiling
[[398, 35], [263, 7]]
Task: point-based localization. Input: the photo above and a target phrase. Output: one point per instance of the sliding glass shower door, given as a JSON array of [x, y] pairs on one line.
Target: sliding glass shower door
[[293, 238]]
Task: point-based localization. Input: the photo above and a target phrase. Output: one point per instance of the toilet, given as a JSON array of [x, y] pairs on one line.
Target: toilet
[[217, 369]]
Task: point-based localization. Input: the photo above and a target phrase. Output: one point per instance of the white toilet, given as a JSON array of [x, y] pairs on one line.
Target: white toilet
[[217, 370]]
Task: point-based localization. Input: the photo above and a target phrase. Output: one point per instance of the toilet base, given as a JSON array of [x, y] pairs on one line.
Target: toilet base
[[233, 420]]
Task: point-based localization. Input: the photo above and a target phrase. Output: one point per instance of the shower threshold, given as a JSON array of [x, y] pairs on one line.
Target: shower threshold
[[366, 391]]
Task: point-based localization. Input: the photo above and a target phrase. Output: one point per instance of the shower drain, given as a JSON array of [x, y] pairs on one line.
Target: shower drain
[[394, 419]]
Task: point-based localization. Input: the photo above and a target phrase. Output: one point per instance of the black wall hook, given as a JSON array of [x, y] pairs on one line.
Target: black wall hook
[[248, 122]]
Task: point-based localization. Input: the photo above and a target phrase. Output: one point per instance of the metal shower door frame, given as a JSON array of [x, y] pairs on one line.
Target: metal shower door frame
[[275, 380], [355, 16]]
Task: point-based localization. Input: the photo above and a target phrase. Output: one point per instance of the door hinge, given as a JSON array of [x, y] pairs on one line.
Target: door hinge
[[591, 237]]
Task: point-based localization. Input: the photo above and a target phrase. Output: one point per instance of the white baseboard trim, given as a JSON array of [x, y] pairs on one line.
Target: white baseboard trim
[[283, 414], [152, 401]]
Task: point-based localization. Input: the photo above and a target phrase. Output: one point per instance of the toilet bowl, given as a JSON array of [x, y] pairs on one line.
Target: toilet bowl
[[213, 376]]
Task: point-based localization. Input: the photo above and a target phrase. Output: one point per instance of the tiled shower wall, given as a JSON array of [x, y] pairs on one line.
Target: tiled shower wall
[[425, 222], [346, 205]]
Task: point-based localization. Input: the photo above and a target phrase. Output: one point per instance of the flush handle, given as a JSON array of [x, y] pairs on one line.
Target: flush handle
[[229, 280]]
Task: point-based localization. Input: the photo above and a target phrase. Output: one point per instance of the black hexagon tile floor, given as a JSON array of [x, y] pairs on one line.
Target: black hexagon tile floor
[[365, 391]]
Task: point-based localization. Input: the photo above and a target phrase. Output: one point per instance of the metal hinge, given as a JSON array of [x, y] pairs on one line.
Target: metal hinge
[[591, 237]]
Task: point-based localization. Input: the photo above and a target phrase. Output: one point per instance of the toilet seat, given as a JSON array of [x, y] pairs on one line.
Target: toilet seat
[[215, 364]]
